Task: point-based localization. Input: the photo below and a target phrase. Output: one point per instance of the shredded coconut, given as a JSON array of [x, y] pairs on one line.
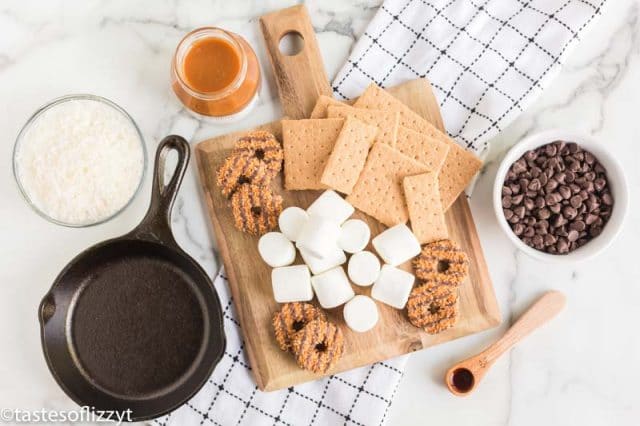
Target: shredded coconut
[[80, 161]]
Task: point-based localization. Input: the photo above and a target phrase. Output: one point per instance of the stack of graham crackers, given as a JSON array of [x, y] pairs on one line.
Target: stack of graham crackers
[[390, 162]]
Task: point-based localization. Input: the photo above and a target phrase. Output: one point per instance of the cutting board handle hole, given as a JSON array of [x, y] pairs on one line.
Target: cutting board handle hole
[[291, 43]]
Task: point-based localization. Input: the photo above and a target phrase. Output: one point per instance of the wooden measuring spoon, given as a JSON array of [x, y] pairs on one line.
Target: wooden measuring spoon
[[464, 377]]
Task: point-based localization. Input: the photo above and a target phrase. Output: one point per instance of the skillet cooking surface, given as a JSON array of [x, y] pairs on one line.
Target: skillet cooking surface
[[139, 307]]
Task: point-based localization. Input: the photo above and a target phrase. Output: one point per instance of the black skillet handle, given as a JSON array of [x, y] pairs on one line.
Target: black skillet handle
[[156, 225]]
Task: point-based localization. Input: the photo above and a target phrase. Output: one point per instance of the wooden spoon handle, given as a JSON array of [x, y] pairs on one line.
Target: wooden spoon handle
[[547, 307]]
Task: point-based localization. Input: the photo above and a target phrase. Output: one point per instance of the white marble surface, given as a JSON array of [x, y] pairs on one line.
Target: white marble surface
[[581, 369]]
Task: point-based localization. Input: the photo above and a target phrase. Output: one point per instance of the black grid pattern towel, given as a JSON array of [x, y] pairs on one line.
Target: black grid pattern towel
[[486, 59], [230, 397]]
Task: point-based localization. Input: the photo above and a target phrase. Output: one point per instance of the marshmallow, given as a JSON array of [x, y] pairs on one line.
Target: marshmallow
[[363, 268], [393, 286], [396, 245], [331, 206], [318, 236], [276, 250], [354, 235], [332, 288], [360, 313], [321, 264], [291, 221], [291, 284]]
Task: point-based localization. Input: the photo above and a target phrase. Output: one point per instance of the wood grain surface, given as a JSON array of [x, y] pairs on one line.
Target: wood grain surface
[[250, 281], [297, 95]]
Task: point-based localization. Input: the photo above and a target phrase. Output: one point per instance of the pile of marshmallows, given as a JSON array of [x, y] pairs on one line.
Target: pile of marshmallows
[[323, 234]]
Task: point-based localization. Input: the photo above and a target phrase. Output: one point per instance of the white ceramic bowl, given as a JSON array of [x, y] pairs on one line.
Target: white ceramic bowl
[[615, 177]]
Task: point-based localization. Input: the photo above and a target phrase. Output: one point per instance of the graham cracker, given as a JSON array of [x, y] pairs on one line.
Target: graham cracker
[[307, 146], [379, 191], [349, 155], [429, 151], [323, 102], [425, 209], [460, 165], [386, 121]]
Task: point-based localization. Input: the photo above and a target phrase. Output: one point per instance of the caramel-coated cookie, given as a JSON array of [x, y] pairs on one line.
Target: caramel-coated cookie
[[442, 262], [239, 169], [433, 307], [255, 209], [318, 346], [262, 146], [291, 318]]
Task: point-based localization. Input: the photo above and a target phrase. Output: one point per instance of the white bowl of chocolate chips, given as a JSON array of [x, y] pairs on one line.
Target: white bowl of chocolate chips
[[560, 196]]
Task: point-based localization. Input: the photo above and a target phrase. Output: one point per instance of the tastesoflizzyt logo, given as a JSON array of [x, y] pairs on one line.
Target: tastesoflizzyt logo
[[84, 414]]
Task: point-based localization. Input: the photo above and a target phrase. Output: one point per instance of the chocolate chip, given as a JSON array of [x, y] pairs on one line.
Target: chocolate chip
[[551, 185], [519, 211], [529, 231], [555, 208], [592, 205], [577, 225], [507, 213], [576, 201], [562, 246], [565, 192], [516, 199], [535, 171], [557, 220], [528, 204], [534, 185], [518, 229], [550, 199], [549, 239], [543, 179], [519, 166], [506, 202], [506, 190], [544, 213], [590, 219], [599, 183], [572, 235], [589, 158], [569, 212], [607, 199]]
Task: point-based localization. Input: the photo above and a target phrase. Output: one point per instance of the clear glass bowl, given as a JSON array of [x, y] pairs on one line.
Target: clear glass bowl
[[34, 118]]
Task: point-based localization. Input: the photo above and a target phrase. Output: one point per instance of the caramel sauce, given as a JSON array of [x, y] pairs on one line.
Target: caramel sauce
[[210, 65]]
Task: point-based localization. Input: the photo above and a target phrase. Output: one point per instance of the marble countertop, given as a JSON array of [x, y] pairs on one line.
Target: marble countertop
[[581, 369]]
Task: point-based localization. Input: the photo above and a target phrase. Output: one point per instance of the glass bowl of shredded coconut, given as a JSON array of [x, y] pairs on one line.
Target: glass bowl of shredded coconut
[[79, 160]]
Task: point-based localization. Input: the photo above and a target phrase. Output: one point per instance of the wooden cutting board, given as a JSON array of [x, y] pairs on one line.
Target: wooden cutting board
[[249, 276]]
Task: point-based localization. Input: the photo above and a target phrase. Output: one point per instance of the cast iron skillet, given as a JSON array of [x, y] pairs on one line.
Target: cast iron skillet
[[134, 322]]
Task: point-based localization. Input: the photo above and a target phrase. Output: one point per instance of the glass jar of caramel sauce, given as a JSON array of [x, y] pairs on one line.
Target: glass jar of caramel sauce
[[215, 72]]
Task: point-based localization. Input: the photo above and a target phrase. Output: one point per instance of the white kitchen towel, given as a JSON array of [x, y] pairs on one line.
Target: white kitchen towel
[[487, 60], [230, 397]]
